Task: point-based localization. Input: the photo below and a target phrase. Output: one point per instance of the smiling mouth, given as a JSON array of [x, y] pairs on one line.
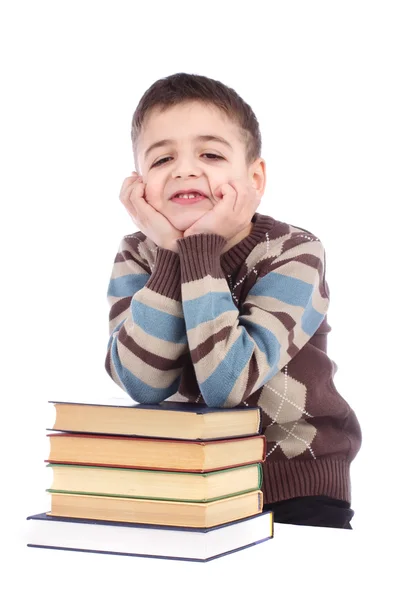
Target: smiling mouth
[[189, 199]]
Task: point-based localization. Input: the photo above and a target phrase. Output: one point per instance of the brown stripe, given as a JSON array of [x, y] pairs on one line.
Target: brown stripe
[[315, 262], [292, 349], [188, 385], [125, 255], [135, 240], [207, 346], [156, 361], [253, 375], [107, 363], [118, 307], [287, 320]]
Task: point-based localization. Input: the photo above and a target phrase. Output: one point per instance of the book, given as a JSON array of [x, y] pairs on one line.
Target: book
[[157, 512], [86, 535], [155, 485], [154, 453], [178, 420]]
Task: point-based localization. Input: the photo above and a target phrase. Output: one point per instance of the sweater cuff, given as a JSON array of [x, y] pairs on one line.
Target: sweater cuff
[[200, 255], [166, 276]]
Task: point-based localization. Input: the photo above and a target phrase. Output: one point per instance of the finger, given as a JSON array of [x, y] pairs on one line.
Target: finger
[[132, 196], [229, 195], [130, 183], [135, 192], [127, 182], [223, 190], [243, 195]]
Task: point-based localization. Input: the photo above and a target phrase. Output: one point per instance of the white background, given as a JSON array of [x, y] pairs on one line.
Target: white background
[[323, 80]]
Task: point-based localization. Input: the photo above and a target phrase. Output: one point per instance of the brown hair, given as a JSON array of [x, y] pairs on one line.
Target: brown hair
[[183, 87]]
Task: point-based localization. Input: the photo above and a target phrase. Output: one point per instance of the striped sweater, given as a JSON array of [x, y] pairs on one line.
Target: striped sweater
[[245, 326]]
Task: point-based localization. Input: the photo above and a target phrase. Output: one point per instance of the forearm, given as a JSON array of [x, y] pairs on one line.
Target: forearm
[[148, 345], [236, 349]]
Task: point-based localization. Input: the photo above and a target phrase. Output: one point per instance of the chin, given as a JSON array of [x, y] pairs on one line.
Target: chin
[[186, 218]]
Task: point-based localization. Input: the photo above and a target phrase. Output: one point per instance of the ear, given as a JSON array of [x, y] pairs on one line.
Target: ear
[[258, 176]]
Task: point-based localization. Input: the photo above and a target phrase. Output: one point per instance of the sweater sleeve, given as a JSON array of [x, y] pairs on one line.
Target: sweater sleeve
[[234, 352], [147, 348]]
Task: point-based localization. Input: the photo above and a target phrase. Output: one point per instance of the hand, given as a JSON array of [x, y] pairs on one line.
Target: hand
[[151, 222], [232, 213]]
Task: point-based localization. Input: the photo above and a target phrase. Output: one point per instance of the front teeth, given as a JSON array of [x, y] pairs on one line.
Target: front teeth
[[188, 195]]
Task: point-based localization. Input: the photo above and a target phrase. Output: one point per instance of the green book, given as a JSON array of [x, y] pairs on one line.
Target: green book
[[155, 485]]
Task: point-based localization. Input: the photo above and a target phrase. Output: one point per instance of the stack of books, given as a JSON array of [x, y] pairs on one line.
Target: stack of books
[[174, 480]]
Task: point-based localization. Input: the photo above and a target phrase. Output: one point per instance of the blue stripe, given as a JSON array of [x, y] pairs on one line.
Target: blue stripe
[[159, 324], [282, 287], [127, 285], [311, 320], [266, 341], [269, 376], [217, 387], [206, 308], [136, 388], [117, 328]]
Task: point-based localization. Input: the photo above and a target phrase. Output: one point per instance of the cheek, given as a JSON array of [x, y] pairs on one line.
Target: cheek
[[153, 195]]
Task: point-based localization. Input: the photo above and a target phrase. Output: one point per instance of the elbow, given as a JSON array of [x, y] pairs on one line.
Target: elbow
[[139, 390]]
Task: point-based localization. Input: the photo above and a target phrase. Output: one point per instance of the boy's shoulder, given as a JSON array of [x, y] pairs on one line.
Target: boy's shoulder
[[274, 240], [280, 228], [271, 232], [139, 247]]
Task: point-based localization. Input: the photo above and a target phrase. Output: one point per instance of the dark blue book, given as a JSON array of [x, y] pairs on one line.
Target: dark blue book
[[154, 541], [177, 420]]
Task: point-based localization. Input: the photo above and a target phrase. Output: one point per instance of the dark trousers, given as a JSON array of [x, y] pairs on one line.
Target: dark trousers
[[318, 511]]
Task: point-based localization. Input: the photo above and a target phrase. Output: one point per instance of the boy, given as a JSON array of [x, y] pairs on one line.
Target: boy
[[213, 302]]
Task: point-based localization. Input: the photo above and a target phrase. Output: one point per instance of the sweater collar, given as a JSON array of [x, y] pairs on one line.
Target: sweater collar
[[235, 256]]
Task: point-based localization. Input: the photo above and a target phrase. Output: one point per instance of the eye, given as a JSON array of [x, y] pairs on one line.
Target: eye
[[161, 161], [215, 156]]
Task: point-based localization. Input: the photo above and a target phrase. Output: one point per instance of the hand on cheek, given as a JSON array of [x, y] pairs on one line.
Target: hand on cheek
[[235, 205]]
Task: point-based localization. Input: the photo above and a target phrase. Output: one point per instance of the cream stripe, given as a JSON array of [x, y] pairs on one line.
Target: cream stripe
[[314, 248], [159, 302], [114, 322], [148, 251], [260, 251], [148, 374], [266, 304], [299, 271], [266, 320], [207, 365], [238, 389], [196, 289], [198, 335], [153, 344], [128, 267]]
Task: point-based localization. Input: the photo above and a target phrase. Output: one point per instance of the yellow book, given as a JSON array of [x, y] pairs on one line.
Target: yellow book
[[178, 420], [157, 512]]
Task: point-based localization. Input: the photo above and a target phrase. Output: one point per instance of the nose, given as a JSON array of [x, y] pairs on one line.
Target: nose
[[185, 168]]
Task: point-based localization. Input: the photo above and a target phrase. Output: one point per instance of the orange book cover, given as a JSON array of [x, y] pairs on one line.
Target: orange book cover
[[169, 445]]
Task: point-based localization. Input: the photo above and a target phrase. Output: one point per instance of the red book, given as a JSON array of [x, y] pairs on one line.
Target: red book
[[155, 453]]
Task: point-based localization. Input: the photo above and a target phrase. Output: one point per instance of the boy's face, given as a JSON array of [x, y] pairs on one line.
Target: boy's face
[[188, 162]]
